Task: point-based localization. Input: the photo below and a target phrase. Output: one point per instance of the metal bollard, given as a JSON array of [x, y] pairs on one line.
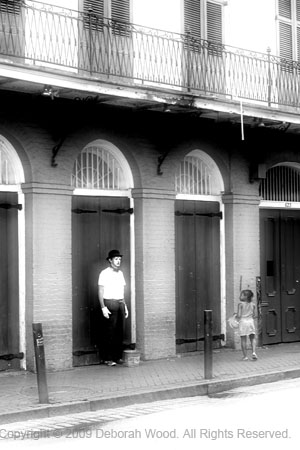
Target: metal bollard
[[39, 352], [208, 339]]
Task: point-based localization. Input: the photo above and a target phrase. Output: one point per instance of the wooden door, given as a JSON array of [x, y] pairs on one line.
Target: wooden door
[[197, 227], [280, 276], [99, 224], [9, 281]]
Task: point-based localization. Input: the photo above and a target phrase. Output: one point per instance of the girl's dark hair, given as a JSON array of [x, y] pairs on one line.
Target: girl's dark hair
[[249, 294]]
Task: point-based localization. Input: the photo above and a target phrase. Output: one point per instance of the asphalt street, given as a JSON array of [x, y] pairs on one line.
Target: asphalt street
[[256, 417]]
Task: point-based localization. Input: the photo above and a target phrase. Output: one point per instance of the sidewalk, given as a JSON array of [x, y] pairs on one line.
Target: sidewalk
[[98, 387]]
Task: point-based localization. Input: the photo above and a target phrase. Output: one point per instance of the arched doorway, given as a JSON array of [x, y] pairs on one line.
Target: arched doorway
[[199, 256], [102, 219], [280, 254], [12, 260]]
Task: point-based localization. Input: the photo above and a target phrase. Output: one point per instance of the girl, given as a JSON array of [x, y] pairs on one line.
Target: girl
[[245, 315]]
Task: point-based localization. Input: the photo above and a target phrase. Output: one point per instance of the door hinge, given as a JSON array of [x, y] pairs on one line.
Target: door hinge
[[218, 214], [119, 211], [178, 213], [84, 352], [11, 356], [84, 211], [216, 337], [11, 206]]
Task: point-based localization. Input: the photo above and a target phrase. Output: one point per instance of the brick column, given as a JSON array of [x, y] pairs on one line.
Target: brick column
[[242, 251], [48, 271], [155, 272]]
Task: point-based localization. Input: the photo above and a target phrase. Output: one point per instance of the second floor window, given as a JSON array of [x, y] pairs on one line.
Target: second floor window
[[203, 19], [289, 29], [117, 10]]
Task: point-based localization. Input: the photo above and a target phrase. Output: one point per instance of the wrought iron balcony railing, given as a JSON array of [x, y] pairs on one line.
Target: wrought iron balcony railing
[[88, 45]]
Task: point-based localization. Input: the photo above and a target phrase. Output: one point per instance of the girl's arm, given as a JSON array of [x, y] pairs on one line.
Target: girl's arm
[[254, 311], [239, 311]]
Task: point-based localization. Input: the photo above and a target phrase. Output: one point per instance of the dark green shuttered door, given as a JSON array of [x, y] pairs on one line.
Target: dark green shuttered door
[[197, 271], [9, 281], [280, 275], [99, 224]]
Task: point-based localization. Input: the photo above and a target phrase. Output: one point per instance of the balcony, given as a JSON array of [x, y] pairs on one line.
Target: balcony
[[62, 52]]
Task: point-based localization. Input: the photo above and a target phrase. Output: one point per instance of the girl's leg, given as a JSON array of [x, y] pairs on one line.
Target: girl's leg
[[244, 345], [253, 345]]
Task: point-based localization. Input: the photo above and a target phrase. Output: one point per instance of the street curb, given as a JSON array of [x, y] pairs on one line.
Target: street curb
[[206, 387]]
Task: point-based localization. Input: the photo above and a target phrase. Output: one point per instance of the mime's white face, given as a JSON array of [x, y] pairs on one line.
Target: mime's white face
[[116, 262]]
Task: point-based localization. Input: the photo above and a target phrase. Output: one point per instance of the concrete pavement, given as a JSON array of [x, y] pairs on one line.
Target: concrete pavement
[[92, 388]]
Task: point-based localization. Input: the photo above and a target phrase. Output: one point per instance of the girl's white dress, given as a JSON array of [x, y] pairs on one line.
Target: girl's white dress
[[246, 312]]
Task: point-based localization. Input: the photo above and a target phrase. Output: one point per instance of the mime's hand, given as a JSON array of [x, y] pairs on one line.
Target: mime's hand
[[106, 312], [126, 312]]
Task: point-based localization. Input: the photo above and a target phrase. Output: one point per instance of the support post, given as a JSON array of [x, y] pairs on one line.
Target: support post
[[208, 340], [39, 352]]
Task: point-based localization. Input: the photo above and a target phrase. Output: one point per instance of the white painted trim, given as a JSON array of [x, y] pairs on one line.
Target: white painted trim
[[268, 204], [132, 275], [102, 192], [22, 278], [202, 198], [223, 271], [9, 188]]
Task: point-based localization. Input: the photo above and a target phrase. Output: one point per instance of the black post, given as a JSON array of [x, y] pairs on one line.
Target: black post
[[208, 339], [39, 352]]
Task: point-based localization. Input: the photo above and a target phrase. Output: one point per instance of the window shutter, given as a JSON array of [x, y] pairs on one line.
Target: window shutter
[[298, 44], [192, 19], [289, 29], [10, 6], [214, 23], [97, 6], [285, 41], [298, 10], [120, 10], [93, 13], [285, 8]]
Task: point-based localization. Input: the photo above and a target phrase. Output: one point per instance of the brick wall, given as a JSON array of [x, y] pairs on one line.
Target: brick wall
[[155, 272], [241, 240], [48, 261]]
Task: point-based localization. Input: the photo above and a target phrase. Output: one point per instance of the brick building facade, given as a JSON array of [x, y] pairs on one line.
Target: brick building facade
[[48, 197], [173, 180]]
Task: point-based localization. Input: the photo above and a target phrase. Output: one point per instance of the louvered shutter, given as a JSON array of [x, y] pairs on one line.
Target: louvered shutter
[[12, 28], [93, 13], [192, 18], [298, 10], [96, 6], [298, 43], [120, 10], [285, 8], [120, 14], [285, 41], [10, 6], [289, 30], [214, 23], [298, 28]]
